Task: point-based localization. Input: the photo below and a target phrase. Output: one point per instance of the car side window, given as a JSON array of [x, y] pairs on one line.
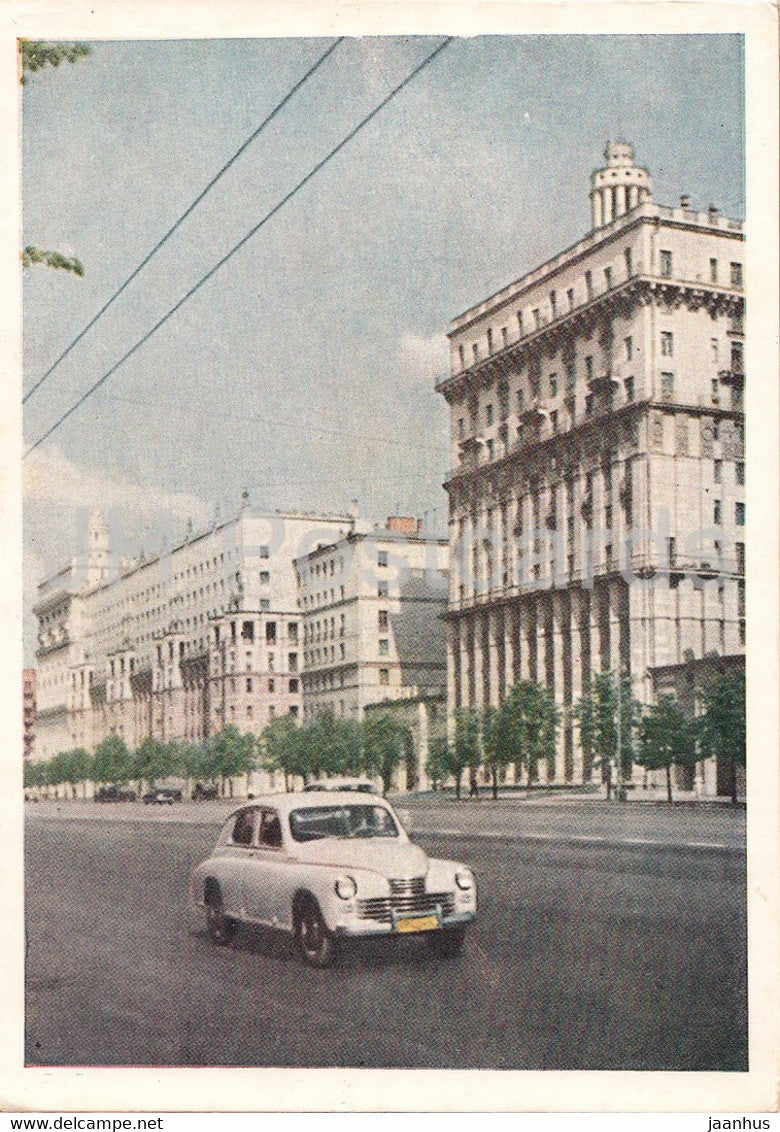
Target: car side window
[[244, 827], [271, 830]]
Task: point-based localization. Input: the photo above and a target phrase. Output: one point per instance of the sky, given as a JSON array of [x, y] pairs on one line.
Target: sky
[[304, 369]]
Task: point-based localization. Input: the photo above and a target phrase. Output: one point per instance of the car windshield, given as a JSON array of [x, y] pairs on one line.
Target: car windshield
[[317, 822]]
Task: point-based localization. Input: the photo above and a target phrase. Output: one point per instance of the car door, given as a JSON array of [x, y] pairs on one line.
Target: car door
[[266, 893], [236, 857]]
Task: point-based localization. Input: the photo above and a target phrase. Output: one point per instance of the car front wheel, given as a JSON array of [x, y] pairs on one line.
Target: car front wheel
[[448, 942], [316, 944], [221, 928]]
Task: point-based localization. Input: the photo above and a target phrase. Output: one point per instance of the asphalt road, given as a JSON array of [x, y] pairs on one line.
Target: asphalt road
[[588, 954]]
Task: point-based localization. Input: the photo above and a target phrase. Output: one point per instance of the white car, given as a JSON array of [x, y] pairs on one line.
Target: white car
[[361, 785], [330, 868]]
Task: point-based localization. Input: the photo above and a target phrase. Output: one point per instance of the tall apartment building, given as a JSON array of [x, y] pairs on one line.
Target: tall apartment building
[[179, 644], [597, 458], [372, 606]]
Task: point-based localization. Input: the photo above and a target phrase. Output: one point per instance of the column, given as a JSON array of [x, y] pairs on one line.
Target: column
[[478, 661], [422, 745], [598, 212], [622, 202], [465, 696], [542, 630], [607, 205], [575, 624], [510, 629], [452, 661], [494, 627]]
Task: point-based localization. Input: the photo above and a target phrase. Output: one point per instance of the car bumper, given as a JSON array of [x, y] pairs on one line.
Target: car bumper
[[354, 927]]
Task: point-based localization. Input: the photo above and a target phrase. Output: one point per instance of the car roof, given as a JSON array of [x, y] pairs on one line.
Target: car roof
[[295, 800]]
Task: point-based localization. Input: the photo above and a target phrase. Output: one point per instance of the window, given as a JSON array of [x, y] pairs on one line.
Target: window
[[629, 347], [629, 384], [271, 684], [667, 343], [293, 686], [737, 358], [739, 514], [718, 471], [570, 379], [270, 662], [629, 265], [554, 420], [716, 512], [736, 275], [489, 415], [249, 684], [667, 386], [462, 357], [264, 552], [490, 340], [672, 552], [461, 428], [244, 827], [570, 297], [270, 830], [265, 604], [265, 577], [292, 632], [589, 368], [384, 676], [490, 449], [740, 558], [249, 711], [537, 318], [715, 394], [382, 589], [553, 303], [589, 284], [666, 263], [381, 558], [520, 321], [713, 271], [270, 632], [589, 405], [608, 278], [740, 470], [504, 336], [384, 647], [292, 662], [553, 385], [475, 351], [383, 619]]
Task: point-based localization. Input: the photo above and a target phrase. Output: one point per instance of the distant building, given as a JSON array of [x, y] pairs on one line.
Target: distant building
[[372, 606], [28, 710], [179, 644], [596, 491]]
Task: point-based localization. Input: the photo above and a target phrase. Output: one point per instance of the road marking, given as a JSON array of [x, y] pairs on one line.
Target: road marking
[[646, 843]]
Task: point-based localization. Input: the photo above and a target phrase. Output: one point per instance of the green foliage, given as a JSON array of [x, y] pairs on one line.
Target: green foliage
[[524, 729], [285, 749], [231, 753], [32, 255], [111, 762], [466, 750], [382, 748], [437, 765], [151, 760], [600, 735], [722, 725], [494, 721], [35, 54], [34, 775], [666, 739]]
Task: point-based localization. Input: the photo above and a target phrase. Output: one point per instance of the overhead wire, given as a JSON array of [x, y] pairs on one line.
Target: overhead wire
[[244, 240], [136, 272]]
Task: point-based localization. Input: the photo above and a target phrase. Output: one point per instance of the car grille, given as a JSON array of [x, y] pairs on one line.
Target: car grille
[[407, 898]]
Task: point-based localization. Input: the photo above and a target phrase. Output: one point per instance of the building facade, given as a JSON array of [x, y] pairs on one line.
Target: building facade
[[372, 606], [596, 489], [180, 644]]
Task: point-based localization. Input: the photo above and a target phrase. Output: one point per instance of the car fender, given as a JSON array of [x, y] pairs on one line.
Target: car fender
[[318, 881]]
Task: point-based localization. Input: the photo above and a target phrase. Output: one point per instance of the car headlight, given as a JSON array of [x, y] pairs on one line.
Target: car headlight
[[464, 878], [345, 887]]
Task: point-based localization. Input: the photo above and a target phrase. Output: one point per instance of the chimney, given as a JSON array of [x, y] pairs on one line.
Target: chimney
[[685, 201], [401, 524], [713, 212]]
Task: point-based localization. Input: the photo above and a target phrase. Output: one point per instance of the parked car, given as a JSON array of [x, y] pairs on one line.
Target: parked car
[[330, 868], [114, 794], [362, 785], [201, 793], [162, 796]]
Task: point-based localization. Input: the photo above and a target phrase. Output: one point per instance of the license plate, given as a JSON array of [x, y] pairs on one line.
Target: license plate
[[418, 924]]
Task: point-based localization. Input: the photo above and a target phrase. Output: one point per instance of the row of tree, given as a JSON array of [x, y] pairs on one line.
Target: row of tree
[[615, 732]]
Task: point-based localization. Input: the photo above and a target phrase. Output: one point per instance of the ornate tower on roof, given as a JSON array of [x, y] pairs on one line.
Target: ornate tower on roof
[[619, 186], [97, 550]]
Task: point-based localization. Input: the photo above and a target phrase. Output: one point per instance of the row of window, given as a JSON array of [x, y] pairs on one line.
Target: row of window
[[558, 305]]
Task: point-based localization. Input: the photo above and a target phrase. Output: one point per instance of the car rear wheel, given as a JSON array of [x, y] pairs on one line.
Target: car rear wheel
[[447, 942], [221, 928], [316, 944]]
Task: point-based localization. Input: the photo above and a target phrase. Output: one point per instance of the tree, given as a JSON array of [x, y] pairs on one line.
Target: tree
[[34, 775], [495, 723], [666, 739], [34, 55], [77, 767], [382, 748], [438, 762], [607, 714], [525, 728], [233, 754], [285, 749], [465, 751], [150, 761], [111, 762], [722, 725]]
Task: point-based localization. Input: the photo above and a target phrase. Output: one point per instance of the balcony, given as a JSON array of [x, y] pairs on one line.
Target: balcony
[[734, 377]]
